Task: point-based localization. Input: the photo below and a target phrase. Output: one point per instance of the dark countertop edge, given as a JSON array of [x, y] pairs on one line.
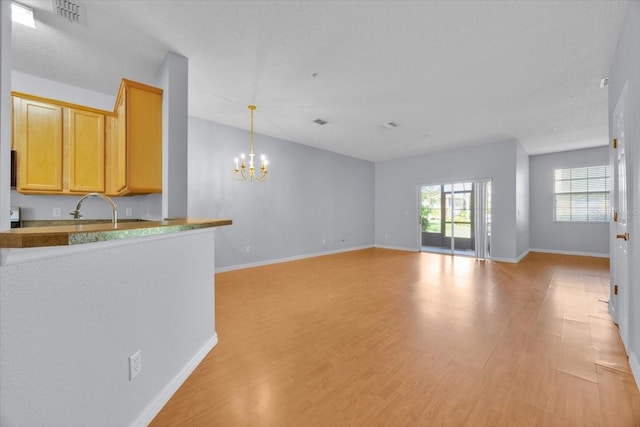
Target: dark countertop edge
[[32, 237]]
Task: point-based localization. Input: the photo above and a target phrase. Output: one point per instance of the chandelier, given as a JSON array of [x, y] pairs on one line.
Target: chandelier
[[242, 172]]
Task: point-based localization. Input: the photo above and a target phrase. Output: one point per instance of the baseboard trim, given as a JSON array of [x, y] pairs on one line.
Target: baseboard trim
[[288, 259], [522, 255], [397, 248], [509, 260], [153, 408], [635, 368], [613, 312], [575, 253]]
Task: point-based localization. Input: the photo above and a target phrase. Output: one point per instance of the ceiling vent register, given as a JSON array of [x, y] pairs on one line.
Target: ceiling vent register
[[72, 11]]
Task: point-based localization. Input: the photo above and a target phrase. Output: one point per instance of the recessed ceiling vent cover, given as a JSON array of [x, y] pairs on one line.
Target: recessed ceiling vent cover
[[320, 122], [72, 11]]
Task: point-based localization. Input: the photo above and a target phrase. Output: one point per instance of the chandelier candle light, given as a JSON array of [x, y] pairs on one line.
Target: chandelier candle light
[[241, 171]]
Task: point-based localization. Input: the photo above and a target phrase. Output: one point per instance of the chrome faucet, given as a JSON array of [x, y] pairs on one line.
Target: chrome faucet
[[114, 214]]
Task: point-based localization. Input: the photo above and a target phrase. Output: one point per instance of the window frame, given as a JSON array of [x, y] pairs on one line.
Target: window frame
[[607, 193]]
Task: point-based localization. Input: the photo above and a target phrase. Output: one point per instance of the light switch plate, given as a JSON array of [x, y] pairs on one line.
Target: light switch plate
[[135, 365]]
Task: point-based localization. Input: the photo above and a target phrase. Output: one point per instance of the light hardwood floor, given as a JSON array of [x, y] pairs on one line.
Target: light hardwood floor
[[382, 337]]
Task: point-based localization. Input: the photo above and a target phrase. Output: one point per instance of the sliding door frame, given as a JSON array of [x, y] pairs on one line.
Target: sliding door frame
[[419, 204]]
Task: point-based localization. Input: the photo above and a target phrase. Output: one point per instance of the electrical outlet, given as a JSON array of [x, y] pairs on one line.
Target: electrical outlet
[[324, 241], [248, 249], [128, 212], [135, 365], [56, 212]]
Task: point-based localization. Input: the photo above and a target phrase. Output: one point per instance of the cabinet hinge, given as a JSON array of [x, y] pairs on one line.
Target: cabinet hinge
[[615, 143], [615, 216], [615, 289]]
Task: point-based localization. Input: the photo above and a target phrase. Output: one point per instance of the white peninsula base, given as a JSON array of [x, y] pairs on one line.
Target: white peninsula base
[[71, 316]]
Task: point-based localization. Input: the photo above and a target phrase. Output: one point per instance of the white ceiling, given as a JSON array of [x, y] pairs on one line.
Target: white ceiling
[[450, 74]]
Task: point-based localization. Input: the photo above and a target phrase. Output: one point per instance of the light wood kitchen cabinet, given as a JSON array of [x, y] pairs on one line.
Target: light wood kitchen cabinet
[[85, 133], [65, 148], [39, 144], [60, 147], [134, 147]]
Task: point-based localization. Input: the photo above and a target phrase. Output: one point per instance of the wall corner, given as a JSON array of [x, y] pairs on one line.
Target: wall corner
[[173, 77]]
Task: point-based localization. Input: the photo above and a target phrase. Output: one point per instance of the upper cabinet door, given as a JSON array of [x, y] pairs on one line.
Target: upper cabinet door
[[85, 133], [39, 142], [116, 161], [134, 141], [144, 139]]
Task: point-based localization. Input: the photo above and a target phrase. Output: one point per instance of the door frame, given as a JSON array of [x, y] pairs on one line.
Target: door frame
[[619, 304]]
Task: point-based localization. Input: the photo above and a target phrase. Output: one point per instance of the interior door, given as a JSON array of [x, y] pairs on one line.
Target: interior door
[[620, 293]]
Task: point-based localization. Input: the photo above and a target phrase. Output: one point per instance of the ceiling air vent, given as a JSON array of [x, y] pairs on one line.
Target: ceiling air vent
[[320, 122], [72, 11], [389, 125]]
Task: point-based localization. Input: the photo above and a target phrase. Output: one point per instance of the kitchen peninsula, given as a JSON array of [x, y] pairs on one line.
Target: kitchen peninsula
[[90, 232], [79, 302]]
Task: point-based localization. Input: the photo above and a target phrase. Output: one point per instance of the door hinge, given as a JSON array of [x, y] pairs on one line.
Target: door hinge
[[615, 143], [615, 216], [615, 289]]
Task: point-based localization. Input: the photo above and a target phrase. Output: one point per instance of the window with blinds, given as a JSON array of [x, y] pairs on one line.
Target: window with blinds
[[582, 194]]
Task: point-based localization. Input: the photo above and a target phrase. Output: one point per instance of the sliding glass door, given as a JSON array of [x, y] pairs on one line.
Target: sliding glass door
[[454, 217]]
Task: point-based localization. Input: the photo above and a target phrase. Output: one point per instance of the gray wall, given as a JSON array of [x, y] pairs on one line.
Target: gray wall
[[314, 201], [396, 193], [522, 202], [33, 85], [173, 78], [41, 207], [547, 235], [625, 69]]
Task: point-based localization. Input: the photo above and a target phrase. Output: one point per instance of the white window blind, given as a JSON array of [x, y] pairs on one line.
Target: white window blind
[[582, 194]]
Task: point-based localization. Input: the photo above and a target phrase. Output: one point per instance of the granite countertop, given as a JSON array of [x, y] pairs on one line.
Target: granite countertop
[[89, 232]]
